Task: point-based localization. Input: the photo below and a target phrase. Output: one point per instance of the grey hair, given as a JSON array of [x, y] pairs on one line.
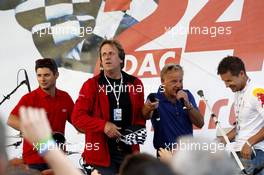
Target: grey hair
[[202, 161], [170, 67]]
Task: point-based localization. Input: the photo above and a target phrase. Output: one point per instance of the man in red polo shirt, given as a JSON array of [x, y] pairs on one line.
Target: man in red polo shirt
[[57, 103]]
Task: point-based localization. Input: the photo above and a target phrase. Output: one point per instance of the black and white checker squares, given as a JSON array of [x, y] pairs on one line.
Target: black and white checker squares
[[51, 23], [136, 137]]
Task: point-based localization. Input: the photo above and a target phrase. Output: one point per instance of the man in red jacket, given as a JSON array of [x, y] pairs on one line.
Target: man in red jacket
[[107, 105]]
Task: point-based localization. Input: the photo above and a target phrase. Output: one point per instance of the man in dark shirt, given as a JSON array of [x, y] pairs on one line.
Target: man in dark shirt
[[175, 110]]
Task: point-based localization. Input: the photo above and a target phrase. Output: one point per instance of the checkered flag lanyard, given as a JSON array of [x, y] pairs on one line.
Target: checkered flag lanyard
[[136, 137]]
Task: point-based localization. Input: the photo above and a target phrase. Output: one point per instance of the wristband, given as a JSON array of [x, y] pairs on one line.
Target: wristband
[[252, 147], [247, 142], [45, 145], [43, 141]]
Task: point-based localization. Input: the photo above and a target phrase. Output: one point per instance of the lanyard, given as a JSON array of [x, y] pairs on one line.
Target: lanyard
[[113, 89]]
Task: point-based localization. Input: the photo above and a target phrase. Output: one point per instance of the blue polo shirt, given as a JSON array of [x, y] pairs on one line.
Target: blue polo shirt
[[172, 121]]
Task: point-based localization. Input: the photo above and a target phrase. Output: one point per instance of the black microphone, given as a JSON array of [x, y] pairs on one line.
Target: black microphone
[[68, 153], [152, 98], [27, 81], [16, 144], [181, 100], [200, 93]]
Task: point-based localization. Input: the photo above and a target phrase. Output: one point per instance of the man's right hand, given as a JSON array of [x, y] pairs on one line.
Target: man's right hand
[[221, 139], [230, 135], [111, 130]]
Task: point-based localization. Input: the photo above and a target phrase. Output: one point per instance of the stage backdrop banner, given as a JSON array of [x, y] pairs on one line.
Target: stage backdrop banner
[[195, 34]]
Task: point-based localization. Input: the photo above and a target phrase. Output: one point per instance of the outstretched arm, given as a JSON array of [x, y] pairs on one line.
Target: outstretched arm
[[36, 128]]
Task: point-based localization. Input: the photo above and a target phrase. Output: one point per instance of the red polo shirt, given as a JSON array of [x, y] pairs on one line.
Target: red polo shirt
[[58, 108]]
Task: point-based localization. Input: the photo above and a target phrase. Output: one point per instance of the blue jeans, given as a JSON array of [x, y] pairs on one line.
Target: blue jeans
[[255, 165]]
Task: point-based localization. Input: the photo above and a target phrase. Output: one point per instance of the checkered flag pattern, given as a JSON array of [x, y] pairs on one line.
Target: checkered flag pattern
[[136, 137], [57, 26]]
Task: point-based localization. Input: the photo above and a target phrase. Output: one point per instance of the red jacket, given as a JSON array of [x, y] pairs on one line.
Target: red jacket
[[91, 112]]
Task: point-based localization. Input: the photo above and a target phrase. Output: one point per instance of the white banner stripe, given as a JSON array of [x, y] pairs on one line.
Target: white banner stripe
[[30, 5], [58, 10]]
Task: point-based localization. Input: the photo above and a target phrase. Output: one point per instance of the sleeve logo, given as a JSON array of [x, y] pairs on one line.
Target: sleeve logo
[[259, 92]]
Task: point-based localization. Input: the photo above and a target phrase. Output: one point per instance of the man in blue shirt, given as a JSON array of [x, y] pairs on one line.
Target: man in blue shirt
[[172, 109]]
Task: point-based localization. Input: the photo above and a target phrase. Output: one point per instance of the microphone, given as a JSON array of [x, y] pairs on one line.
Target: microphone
[[200, 93], [27, 81], [152, 98], [16, 144], [181, 100], [68, 153]]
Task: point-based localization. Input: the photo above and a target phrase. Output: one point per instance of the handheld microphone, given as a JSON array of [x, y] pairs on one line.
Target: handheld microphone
[[27, 81], [152, 98], [181, 100], [68, 153]]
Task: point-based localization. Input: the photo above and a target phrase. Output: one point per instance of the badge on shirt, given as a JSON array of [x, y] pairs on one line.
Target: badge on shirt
[[259, 92], [117, 114]]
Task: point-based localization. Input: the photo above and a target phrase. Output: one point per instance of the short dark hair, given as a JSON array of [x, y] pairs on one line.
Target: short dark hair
[[231, 63], [117, 44], [47, 63], [144, 164], [154, 168], [134, 160]]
